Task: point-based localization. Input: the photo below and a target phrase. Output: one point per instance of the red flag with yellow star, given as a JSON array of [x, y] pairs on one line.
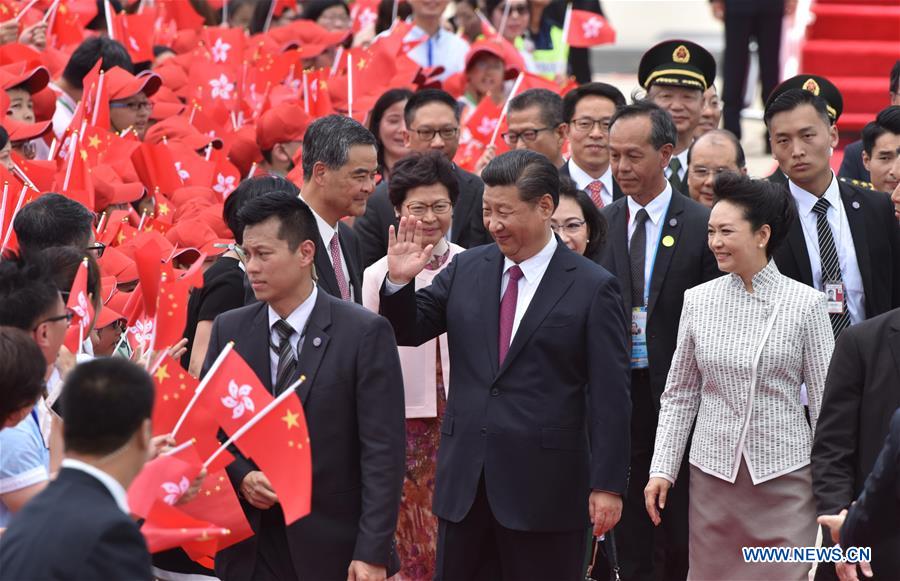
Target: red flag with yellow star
[[218, 501], [171, 311], [174, 389], [73, 179], [167, 527]]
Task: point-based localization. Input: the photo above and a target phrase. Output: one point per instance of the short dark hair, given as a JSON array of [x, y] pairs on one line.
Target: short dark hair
[[887, 121], [422, 169], [313, 9], [549, 103], [532, 173], [385, 101], [22, 369], [104, 401], [593, 219], [4, 137], [425, 97], [52, 220], [662, 128], [297, 222], [570, 101], [895, 77], [739, 157], [491, 5], [329, 140], [247, 190], [63, 263], [793, 98], [762, 201], [89, 52], [26, 293], [385, 17]]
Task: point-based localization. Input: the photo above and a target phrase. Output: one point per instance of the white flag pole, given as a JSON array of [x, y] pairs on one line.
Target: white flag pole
[[512, 94], [203, 383]]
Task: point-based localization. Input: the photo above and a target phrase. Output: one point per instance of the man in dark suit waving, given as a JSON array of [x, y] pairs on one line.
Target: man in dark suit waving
[[79, 527], [537, 418], [352, 397], [657, 247]]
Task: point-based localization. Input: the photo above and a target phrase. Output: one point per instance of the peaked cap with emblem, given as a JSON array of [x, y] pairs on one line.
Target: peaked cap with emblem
[[819, 86], [677, 63]]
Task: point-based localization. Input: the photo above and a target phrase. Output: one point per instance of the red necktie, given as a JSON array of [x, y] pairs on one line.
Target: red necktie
[[508, 310], [339, 267], [594, 188]]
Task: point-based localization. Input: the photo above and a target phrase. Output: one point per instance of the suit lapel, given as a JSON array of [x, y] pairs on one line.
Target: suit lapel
[[462, 207], [797, 244], [324, 271], [556, 281], [617, 191], [350, 259], [893, 341], [671, 226], [255, 349], [856, 217], [315, 343], [489, 289], [618, 240]]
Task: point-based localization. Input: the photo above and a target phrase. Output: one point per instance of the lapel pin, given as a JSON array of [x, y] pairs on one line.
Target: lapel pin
[[668, 241], [317, 341], [673, 222], [855, 205]]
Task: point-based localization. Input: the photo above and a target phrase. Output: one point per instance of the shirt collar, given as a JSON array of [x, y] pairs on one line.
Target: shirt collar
[[115, 488], [656, 208], [806, 200], [682, 157], [298, 317], [579, 176], [764, 281], [325, 229], [416, 32], [532, 267]]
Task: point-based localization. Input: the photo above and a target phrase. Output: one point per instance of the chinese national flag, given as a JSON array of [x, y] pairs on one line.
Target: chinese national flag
[[79, 304], [318, 95], [65, 26], [167, 527], [587, 29], [42, 173], [182, 14], [171, 312], [217, 501], [279, 445], [135, 32], [148, 259], [155, 225], [164, 478], [96, 142], [234, 393], [155, 166], [74, 177], [174, 389]]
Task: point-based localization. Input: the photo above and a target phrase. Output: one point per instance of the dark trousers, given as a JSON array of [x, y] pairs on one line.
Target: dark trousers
[[764, 25], [273, 555], [646, 552], [478, 548]]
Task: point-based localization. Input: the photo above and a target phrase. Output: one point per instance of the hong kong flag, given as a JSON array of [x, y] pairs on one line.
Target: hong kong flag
[[234, 394], [81, 308], [483, 122], [587, 29], [167, 527], [166, 478]]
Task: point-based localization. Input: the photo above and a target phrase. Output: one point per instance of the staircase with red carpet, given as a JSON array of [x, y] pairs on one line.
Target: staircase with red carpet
[[854, 43]]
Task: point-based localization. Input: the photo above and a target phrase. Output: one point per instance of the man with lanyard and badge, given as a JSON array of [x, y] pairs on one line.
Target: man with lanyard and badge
[[657, 248]]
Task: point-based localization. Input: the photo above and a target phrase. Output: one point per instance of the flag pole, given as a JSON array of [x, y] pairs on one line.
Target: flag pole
[[254, 420], [180, 448], [22, 12], [108, 12], [512, 94], [3, 207], [567, 23], [203, 383], [503, 19], [270, 15], [97, 99], [9, 228], [350, 85]]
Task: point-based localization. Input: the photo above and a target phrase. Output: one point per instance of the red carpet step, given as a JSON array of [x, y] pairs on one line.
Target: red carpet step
[[855, 22]]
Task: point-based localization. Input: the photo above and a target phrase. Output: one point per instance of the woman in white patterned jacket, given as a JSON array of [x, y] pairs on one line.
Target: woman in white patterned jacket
[[747, 342]]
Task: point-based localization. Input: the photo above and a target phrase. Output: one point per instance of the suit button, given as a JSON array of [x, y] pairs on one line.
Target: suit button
[[495, 392], [483, 430]]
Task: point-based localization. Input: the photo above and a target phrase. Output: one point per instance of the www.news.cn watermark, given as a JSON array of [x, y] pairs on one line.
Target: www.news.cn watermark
[[806, 554]]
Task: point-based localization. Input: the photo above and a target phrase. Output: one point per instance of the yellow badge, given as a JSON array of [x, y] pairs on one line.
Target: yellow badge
[[681, 54], [668, 241], [812, 86]]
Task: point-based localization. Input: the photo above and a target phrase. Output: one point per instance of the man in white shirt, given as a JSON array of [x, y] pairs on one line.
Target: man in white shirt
[[442, 48]]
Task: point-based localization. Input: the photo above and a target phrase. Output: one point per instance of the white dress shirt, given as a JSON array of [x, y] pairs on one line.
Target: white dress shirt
[[65, 111], [115, 488], [297, 319], [656, 210], [582, 179], [533, 270], [327, 232], [444, 49], [682, 157], [854, 292]]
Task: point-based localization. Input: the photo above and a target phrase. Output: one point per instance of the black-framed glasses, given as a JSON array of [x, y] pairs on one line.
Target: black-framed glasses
[[134, 107], [518, 8], [586, 124], [418, 209], [529, 135], [68, 316], [701, 173], [427, 134], [98, 248], [572, 227]]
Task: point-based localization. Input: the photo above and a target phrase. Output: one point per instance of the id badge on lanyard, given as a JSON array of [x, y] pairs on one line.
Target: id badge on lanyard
[[639, 359], [834, 293]]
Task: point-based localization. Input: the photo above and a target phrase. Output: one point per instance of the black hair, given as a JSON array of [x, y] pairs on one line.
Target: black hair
[[329, 139], [4, 137], [662, 128], [313, 9], [27, 293], [104, 401], [422, 169], [424, 97], [89, 52], [386, 14], [491, 5], [593, 219], [739, 157], [570, 101], [246, 191], [762, 202], [385, 101], [52, 220], [895, 77], [22, 369], [532, 173], [159, 50], [887, 121], [793, 98], [549, 103], [63, 263], [297, 222]]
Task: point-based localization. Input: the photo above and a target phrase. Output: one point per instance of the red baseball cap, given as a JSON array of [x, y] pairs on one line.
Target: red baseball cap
[[195, 233], [111, 189], [281, 124], [15, 75], [497, 49], [116, 263], [179, 129], [121, 84], [166, 104], [107, 317]]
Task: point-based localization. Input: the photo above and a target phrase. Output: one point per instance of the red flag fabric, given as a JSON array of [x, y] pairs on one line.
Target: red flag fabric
[[155, 166], [234, 393], [587, 29], [66, 27], [74, 177], [218, 501], [81, 307], [364, 14], [483, 121], [174, 389], [135, 32], [167, 527], [224, 45], [164, 478], [171, 312]]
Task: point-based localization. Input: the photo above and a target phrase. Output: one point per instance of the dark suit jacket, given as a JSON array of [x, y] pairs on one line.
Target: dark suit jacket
[[467, 229], [876, 514], [778, 177], [353, 399], [876, 237], [325, 272], [852, 166], [74, 530], [617, 191], [526, 425], [685, 264]]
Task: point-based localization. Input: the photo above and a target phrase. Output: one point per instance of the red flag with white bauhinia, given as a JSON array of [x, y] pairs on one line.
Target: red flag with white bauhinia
[[364, 14], [483, 122], [167, 478], [81, 308], [587, 29], [224, 45], [234, 393], [135, 32]]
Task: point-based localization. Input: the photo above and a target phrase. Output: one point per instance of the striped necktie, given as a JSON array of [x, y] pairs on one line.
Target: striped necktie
[[831, 267], [287, 363]]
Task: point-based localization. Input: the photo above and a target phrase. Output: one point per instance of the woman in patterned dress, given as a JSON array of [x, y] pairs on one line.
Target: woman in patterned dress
[[747, 342], [422, 186]]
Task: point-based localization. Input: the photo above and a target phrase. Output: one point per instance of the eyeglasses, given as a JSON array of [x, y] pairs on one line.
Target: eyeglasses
[[446, 133], [572, 227], [586, 124], [419, 209], [521, 9], [133, 107], [97, 249], [701, 173], [67, 317], [528, 135]]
